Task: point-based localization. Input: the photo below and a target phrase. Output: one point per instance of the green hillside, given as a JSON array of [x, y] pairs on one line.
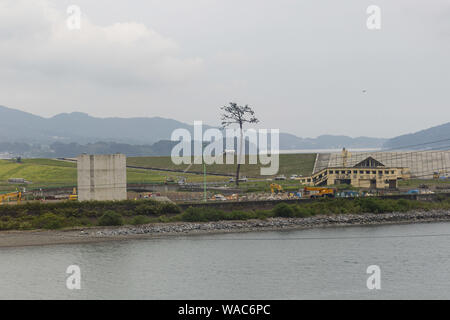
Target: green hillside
[[289, 164], [45, 173], [41, 172], [54, 173]]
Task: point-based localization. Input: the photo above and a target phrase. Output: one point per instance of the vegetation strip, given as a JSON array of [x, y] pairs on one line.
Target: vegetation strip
[[61, 215]]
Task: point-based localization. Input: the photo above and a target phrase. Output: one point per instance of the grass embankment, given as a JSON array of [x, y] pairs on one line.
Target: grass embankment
[[87, 214], [301, 163], [48, 173], [42, 172], [415, 183]]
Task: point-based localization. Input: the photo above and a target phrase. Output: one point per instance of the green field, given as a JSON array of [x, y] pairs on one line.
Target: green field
[[42, 172], [289, 164], [415, 183], [45, 173]]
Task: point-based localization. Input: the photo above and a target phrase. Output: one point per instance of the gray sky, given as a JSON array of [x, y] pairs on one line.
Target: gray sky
[[302, 65]]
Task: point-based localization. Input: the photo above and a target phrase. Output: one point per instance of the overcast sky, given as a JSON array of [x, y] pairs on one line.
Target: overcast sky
[[307, 67]]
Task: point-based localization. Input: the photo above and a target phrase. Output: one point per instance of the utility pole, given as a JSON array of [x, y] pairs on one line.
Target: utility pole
[[204, 182], [204, 174]]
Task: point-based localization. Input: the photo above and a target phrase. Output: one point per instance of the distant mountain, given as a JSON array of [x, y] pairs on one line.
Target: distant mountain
[[429, 139], [290, 142], [69, 133], [18, 126]]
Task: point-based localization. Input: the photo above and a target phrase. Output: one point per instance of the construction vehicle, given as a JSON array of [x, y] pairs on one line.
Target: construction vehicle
[[170, 180], [276, 188], [441, 174], [15, 196], [218, 197], [295, 195], [73, 196], [233, 197], [319, 192]]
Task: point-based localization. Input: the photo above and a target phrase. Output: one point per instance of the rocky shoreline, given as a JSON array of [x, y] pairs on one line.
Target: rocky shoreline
[[182, 228], [177, 229]]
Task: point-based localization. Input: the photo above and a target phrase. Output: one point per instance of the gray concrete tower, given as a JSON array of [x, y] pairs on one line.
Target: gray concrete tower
[[102, 177]]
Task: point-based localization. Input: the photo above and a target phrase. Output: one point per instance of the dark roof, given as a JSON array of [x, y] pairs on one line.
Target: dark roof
[[369, 162]]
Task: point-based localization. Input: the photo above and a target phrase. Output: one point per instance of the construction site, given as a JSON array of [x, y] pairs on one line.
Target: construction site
[[338, 174]]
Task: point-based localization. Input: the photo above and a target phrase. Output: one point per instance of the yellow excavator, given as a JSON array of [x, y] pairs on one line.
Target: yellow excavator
[[15, 196], [73, 196], [276, 188]]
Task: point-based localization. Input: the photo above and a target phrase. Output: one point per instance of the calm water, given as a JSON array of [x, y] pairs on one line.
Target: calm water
[[321, 263]]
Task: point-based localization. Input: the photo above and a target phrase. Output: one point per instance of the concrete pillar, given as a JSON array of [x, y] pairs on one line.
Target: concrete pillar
[[102, 177]]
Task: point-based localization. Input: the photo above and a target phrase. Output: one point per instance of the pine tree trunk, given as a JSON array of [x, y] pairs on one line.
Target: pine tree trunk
[[239, 157]]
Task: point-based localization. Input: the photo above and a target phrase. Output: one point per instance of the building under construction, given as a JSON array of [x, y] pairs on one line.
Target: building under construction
[[377, 170]]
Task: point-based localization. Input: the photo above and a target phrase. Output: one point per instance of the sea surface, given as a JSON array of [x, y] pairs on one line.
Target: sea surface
[[329, 150], [328, 263]]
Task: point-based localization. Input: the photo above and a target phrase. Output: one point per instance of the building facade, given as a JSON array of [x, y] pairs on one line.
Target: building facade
[[422, 164], [102, 177], [369, 173]]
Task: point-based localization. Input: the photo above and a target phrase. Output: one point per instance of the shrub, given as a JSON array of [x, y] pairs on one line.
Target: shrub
[[147, 209], [302, 212], [48, 221], [5, 218], [25, 226], [283, 210], [110, 218], [68, 212], [201, 215], [403, 205], [243, 215], [85, 222], [166, 219], [168, 207], [371, 206], [140, 220], [12, 225]]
